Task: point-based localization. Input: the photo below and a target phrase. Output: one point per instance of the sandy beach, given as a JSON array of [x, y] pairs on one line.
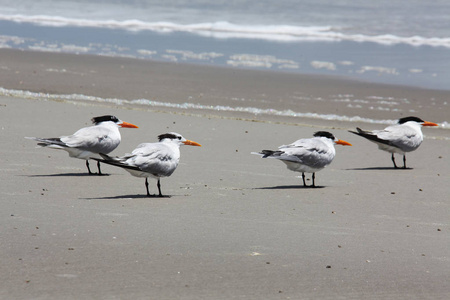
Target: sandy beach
[[235, 226]]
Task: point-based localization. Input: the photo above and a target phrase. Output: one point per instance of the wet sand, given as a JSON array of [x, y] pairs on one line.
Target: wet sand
[[235, 226]]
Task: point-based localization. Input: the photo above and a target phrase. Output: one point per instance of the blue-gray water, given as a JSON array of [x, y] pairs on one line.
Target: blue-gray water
[[400, 42]]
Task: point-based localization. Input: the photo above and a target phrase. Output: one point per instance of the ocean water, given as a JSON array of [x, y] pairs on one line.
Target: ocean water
[[403, 42]]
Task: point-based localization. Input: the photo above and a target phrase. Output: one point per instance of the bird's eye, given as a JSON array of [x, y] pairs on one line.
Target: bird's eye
[[179, 137]]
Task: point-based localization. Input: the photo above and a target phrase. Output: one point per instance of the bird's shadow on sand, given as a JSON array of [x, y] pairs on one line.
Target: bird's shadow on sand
[[122, 197], [290, 187], [70, 175], [378, 168]]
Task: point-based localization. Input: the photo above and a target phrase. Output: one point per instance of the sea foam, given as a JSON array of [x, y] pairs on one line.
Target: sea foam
[[75, 98], [191, 106], [224, 30]]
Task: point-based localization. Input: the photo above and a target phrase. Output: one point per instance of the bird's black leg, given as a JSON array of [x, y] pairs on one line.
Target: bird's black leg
[[404, 161], [314, 180], [89, 169], [393, 160], [98, 167], [159, 188], [303, 177], [146, 186]]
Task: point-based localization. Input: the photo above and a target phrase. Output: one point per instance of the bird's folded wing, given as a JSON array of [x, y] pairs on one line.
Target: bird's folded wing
[[152, 158], [307, 156], [158, 164], [87, 138], [402, 138]]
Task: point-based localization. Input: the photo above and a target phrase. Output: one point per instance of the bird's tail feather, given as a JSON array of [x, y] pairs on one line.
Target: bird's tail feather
[[370, 136], [358, 131], [44, 142], [107, 157], [113, 161], [268, 153]]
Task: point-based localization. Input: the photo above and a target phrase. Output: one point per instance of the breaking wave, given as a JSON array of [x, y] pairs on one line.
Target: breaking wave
[[224, 30]]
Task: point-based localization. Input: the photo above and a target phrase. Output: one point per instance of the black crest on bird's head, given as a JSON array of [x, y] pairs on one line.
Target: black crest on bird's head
[[407, 119], [169, 135], [97, 120], [326, 134]]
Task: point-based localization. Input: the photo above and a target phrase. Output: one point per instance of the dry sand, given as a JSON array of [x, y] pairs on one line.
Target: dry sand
[[235, 226]]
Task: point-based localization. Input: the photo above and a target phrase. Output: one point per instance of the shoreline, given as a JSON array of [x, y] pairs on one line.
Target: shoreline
[[209, 87]]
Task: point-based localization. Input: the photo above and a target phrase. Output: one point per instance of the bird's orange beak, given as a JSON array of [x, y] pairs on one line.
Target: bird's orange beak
[[191, 143], [343, 143], [429, 124], [128, 125]]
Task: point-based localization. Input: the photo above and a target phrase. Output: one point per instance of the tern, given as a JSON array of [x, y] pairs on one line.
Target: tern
[[102, 137], [154, 160], [405, 136], [307, 155]]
